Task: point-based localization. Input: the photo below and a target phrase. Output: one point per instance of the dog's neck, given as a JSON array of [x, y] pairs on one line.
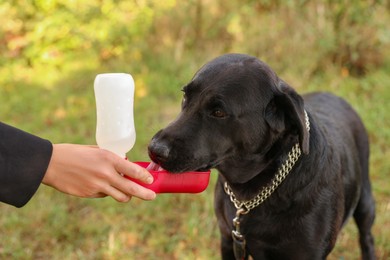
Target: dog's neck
[[262, 178], [263, 170]]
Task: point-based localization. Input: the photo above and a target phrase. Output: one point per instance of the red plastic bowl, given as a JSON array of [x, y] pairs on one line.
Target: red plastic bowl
[[166, 182]]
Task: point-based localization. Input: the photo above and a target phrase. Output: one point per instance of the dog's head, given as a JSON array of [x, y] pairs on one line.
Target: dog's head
[[234, 111]]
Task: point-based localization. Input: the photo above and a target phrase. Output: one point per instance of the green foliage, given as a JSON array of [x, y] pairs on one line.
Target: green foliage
[[51, 51]]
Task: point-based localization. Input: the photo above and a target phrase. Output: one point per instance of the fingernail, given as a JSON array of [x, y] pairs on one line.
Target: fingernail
[[149, 180]]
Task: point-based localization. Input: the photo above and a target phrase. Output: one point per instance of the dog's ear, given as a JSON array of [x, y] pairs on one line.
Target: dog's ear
[[286, 112]]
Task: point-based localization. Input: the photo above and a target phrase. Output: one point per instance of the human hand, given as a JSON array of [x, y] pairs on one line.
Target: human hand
[[89, 172]]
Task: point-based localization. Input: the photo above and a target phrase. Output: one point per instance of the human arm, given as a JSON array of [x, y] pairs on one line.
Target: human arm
[[27, 160]]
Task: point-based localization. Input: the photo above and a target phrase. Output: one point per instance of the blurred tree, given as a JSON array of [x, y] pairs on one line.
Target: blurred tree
[[343, 33], [356, 38], [48, 31]]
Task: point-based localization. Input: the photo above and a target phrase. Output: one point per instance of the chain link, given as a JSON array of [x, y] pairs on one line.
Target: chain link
[[307, 121], [266, 191]]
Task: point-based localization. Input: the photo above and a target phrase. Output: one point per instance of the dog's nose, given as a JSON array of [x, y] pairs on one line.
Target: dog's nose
[[158, 151]]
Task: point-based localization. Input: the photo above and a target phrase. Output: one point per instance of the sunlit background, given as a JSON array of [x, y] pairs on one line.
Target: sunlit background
[[51, 51]]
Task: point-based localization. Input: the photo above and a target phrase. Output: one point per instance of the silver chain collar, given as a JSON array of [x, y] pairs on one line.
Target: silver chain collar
[[265, 192]]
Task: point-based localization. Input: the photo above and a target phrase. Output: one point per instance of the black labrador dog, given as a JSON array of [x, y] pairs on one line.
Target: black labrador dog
[[292, 169]]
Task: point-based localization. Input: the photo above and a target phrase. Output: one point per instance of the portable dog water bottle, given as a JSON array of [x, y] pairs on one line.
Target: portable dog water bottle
[[115, 131]]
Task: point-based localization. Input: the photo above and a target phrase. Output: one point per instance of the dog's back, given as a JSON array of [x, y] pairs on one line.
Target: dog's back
[[337, 118]]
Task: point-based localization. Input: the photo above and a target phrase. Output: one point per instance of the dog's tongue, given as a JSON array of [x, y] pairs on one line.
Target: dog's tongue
[[154, 167]]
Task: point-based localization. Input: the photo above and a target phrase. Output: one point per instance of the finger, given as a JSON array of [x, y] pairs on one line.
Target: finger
[[134, 171], [133, 189], [116, 194]]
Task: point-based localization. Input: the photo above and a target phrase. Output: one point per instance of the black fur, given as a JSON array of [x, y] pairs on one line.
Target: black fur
[[240, 118]]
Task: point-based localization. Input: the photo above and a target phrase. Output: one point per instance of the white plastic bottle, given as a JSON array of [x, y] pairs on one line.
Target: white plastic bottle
[[114, 94]]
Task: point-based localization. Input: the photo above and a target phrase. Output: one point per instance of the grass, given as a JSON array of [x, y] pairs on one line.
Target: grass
[[59, 105]]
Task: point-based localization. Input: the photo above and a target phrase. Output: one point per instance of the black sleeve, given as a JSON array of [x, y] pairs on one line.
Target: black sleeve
[[24, 159]]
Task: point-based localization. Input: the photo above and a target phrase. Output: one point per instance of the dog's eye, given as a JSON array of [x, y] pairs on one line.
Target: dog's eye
[[183, 100], [218, 113]]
